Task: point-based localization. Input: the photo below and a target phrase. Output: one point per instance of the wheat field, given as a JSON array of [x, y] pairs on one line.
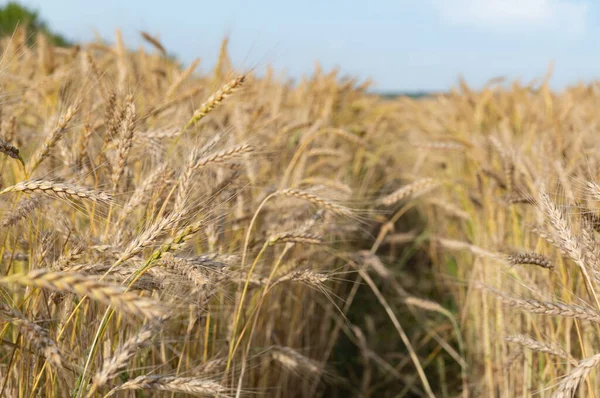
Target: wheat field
[[168, 231]]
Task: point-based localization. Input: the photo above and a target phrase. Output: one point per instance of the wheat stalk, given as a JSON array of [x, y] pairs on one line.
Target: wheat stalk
[[181, 78]]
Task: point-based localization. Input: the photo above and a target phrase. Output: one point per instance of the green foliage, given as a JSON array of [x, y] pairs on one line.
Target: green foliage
[[14, 14]]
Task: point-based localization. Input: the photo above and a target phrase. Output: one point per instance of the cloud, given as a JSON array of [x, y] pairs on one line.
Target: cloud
[[561, 16]]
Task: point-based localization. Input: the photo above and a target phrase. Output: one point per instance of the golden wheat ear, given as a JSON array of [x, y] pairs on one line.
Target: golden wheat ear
[[113, 366], [113, 295], [215, 100], [186, 385], [58, 190], [36, 335]]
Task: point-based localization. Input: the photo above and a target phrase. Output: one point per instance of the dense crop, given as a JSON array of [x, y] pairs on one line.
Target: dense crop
[[222, 234], [174, 231]]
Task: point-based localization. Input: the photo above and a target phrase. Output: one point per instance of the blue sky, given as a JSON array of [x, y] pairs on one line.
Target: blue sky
[[401, 45]]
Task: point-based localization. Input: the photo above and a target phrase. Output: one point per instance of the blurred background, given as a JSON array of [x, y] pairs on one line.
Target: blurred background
[[405, 46]]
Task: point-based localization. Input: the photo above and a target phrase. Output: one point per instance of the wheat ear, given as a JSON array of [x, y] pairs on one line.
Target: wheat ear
[[118, 362], [58, 189], [185, 385], [33, 333], [113, 295], [568, 386], [215, 100]]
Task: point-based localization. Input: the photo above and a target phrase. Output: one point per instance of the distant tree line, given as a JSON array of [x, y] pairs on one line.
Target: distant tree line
[[13, 14], [410, 94]]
